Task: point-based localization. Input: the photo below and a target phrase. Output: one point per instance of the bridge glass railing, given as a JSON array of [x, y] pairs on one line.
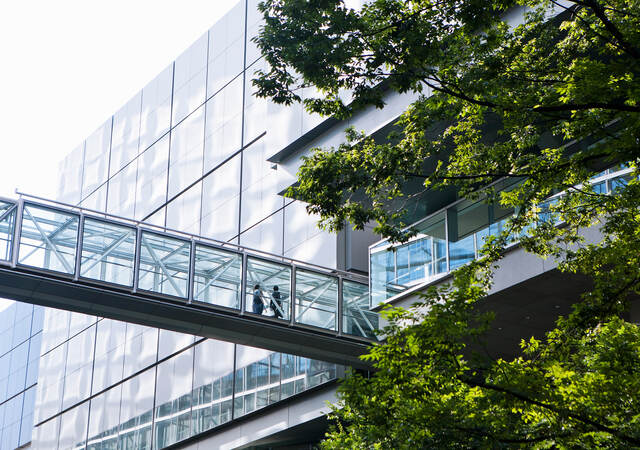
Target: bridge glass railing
[[316, 299], [92, 247], [268, 288], [48, 238], [108, 252], [453, 237], [217, 277]]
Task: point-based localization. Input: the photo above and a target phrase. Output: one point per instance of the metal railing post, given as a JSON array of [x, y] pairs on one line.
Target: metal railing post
[[340, 306], [76, 273], [243, 283], [136, 260], [292, 319], [17, 233], [192, 270]]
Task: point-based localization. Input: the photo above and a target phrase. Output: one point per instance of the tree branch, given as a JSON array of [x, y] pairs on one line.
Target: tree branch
[[579, 417]]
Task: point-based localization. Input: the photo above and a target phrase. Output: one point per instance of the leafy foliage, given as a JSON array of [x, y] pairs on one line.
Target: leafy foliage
[[541, 91]]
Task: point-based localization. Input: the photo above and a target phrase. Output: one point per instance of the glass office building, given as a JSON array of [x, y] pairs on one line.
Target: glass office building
[[193, 151]]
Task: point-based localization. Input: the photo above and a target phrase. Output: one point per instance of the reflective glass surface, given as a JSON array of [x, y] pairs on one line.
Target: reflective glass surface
[[268, 288], [316, 299], [257, 379], [172, 417], [125, 134], [96, 160], [357, 319], [217, 277], [164, 264], [48, 239], [226, 48], [136, 409], [151, 183], [190, 79], [155, 117], [108, 252], [73, 428], [212, 385], [104, 420]]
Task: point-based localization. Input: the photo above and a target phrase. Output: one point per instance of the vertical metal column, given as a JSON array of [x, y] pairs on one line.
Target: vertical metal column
[[17, 233], [340, 310], [243, 283], [76, 273], [292, 319], [192, 268], [136, 260]]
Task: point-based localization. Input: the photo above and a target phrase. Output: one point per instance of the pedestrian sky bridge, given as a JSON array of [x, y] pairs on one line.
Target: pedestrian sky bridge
[[76, 259]]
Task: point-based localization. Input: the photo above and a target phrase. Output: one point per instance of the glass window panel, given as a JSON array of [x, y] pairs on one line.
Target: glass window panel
[[70, 176], [38, 319], [48, 239], [464, 220], [108, 252], [73, 427], [223, 129], [26, 426], [151, 183], [357, 318], [135, 412], [255, 20], [79, 367], [164, 264], [156, 108], [255, 108], [173, 400], [45, 436], [183, 213], [189, 79], [104, 420], [226, 48], [217, 277], [261, 185], [267, 235], [122, 191], [7, 224], [220, 201], [56, 328], [212, 384], [125, 134], [268, 288], [97, 201], [171, 342], [316, 299], [254, 364], [108, 364], [141, 348], [34, 359], [21, 330], [185, 157], [96, 159]]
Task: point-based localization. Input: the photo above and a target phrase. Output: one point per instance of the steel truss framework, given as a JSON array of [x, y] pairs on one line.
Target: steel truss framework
[[72, 258]]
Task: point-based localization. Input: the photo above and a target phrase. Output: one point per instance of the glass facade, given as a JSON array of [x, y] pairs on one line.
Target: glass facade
[[20, 341], [451, 238], [188, 152]]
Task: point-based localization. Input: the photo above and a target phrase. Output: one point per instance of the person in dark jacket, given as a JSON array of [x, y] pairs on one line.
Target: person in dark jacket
[[276, 303]]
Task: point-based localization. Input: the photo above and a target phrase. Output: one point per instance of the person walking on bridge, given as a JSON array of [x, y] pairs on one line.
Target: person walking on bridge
[[258, 304]]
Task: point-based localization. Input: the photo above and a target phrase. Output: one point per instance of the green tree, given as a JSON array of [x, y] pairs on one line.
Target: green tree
[[542, 92]]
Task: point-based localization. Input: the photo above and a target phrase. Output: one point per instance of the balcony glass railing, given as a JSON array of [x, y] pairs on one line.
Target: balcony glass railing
[[93, 247], [452, 237]]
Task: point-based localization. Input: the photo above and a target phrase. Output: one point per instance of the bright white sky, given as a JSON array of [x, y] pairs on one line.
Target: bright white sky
[[67, 65]]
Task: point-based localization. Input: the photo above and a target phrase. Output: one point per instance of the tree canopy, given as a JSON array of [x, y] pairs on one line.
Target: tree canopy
[[542, 92]]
